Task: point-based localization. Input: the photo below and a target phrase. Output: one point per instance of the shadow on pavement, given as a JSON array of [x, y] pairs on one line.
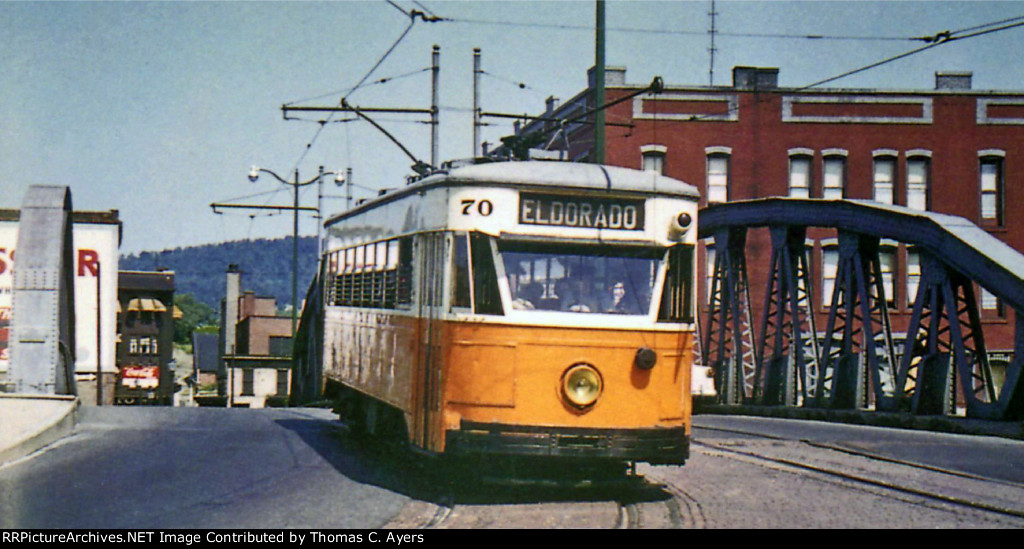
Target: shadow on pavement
[[484, 481]]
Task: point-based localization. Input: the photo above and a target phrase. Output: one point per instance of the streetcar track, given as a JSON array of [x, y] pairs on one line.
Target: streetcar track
[[945, 498], [441, 515], [869, 455]]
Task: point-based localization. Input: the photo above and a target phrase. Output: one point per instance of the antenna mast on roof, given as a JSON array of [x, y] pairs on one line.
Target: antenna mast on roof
[[711, 69]]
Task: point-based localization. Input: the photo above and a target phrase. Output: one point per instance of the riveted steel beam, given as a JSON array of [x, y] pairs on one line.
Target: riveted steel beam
[[858, 354], [42, 340]]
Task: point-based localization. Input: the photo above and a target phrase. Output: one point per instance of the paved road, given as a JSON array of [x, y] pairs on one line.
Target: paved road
[[139, 467], [207, 468]]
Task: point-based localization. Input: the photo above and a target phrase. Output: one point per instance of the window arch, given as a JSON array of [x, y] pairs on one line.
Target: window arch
[[652, 158], [833, 169], [800, 173], [884, 178]]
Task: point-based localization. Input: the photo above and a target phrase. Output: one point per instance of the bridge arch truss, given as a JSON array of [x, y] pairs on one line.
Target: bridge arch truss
[[940, 365]]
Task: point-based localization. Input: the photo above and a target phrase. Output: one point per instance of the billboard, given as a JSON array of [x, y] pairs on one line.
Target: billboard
[[96, 238]]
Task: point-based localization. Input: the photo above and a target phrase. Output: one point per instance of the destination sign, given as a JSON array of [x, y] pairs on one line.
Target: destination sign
[[581, 211]]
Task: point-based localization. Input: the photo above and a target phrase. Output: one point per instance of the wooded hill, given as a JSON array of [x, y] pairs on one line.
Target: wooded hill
[[266, 267]]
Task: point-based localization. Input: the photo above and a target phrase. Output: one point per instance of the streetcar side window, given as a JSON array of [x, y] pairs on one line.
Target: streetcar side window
[[404, 273], [460, 272], [485, 276], [677, 298], [376, 275]]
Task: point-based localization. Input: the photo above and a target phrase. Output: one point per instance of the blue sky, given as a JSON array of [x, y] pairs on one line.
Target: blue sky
[[158, 109]]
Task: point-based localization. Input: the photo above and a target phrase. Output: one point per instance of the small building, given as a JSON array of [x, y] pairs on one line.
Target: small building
[[145, 338], [255, 344]]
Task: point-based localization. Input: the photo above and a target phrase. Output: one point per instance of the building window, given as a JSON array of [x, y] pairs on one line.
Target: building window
[[884, 176], [653, 158], [913, 275], [887, 262], [282, 383], [834, 177], [991, 170], [280, 346], [248, 382], [718, 178], [918, 169], [709, 273], [991, 305], [800, 176], [829, 270]]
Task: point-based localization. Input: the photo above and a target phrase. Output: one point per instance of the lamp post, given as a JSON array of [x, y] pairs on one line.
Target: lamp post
[[254, 174]]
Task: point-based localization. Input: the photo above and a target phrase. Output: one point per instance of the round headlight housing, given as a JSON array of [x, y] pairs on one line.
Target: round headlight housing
[[582, 385]]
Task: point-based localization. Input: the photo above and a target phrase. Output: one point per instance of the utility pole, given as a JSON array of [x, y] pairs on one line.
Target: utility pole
[[599, 86], [476, 102], [435, 72]]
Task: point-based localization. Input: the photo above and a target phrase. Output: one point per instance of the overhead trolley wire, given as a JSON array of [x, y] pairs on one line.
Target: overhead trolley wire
[[935, 40], [349, 91], [413, 15], [564, 26]]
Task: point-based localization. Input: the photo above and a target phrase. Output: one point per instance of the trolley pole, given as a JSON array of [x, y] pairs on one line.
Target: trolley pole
[[435, 73], [476, 102]]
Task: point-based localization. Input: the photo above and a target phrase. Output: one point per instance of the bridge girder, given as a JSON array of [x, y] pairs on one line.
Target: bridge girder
[[42, 342], [857, 365]]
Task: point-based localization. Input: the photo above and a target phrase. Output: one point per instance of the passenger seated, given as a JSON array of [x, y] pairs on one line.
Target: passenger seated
[[529, 296], [617, 302]]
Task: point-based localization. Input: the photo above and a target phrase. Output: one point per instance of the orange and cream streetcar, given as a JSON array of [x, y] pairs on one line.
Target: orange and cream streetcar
[[517, 308]]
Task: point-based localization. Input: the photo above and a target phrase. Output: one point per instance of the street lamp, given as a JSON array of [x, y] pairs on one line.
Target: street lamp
[[254, 174]]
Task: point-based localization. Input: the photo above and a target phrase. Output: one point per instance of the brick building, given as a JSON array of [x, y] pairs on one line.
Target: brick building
[[950, 149], [255, 347]]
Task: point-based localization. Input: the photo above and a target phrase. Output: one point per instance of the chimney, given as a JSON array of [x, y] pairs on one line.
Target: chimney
[[953, 80], [229, 320], [755, 78], [550, 104], [613, 76]]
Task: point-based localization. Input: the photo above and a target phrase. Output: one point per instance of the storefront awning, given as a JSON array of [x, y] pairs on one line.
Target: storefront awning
[[146, 304]]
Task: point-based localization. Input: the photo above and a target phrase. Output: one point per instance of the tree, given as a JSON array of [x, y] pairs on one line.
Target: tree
[[194, 314]]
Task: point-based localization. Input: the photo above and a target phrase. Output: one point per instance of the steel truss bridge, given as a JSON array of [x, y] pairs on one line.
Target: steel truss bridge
[[941, 365]]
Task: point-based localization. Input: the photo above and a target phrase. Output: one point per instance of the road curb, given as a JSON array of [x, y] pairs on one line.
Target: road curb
[[31, 422]]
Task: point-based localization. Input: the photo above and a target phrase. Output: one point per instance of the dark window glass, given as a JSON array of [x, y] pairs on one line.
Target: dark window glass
[[460, 272], [676, 299], [485, 277], [247, 382], [282, 383]]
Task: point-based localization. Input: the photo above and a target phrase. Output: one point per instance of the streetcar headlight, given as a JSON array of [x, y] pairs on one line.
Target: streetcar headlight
[[581, 385], [680, 225]]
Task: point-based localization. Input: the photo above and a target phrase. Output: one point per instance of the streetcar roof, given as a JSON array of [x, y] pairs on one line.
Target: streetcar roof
[[572, 175], [546, 174]]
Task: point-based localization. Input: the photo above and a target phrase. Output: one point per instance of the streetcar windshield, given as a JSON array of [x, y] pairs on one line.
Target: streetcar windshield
[[585, 279]]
